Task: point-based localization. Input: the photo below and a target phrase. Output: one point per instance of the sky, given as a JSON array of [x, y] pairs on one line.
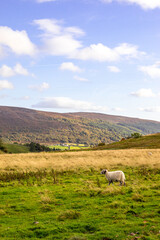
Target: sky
[[81, 56]]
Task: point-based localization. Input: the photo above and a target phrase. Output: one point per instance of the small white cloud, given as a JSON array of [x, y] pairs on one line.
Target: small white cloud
[[145, 4], [70, 67], [152, 71], [20, 70], [75, 31], [41, 87], [81, 79], [58, 40], [49, 26], [16, 41], [4, 84], [6, 71], [68, 103], [143, 93], [113, 69], [128, 50], [150, 109]]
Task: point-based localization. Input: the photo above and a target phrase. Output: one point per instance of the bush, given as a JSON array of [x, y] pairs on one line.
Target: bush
[[2, 147], [101, 144], [136, 135]]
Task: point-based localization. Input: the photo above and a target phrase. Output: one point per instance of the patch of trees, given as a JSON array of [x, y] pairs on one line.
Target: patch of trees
[[36, 147], [101, 144], [2, 147], [136, 135]]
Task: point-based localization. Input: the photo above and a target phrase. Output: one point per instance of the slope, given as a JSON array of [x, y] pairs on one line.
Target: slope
[[145, 142], [26, 125]]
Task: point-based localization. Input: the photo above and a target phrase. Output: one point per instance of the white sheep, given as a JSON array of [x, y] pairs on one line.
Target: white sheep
[[115, 176]]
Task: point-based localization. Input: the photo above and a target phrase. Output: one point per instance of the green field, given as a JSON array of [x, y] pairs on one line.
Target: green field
[[79, 205], [16, 148], [69, 146], [145, 142]]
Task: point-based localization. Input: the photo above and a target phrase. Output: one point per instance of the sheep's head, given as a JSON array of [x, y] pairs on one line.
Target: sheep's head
[[103, 171]]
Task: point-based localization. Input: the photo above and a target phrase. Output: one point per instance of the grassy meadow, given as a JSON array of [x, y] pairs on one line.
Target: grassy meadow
[[64, 196]]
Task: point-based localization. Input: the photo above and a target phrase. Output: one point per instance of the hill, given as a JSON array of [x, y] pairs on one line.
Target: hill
[[145, 142], [25, 125]]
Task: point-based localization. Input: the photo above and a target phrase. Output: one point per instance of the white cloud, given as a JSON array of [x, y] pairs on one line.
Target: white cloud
[[150, 109], [143, 93], [57, 39], [152, 71], [113, 69], [128, 50], [16, 41], [97, 52], [81, 79], [4, 84], [20, 70], [42, 1], [61, 41], [40, 87], [68, 103], [74, 30], [102, 53], [49, 26], [70, 67], [145, 4], [6, 71]]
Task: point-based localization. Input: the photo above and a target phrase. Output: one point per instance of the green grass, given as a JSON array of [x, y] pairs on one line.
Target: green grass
[[78, 205], [16, 148], [149, 142]]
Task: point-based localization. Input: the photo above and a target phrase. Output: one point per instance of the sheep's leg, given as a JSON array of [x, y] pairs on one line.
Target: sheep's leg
[[120, 183], [110, 182]]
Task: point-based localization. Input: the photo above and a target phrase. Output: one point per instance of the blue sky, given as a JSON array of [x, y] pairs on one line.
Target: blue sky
[[81, 55]]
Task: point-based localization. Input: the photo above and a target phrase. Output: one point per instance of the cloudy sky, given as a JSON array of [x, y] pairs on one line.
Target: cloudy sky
[[81, 55]]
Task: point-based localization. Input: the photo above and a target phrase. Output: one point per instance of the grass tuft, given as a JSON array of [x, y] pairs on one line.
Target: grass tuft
[[69, 214]]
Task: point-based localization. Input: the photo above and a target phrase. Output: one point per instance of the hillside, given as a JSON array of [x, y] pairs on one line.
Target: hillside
[[26, 125], [145, 142]]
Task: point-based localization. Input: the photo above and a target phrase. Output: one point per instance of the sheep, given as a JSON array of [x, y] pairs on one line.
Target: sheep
[[115, 176]]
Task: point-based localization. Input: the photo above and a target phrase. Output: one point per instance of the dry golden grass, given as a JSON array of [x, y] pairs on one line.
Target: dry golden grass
[[76, 160]]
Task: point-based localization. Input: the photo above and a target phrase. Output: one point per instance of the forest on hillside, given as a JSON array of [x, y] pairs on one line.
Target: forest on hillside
[[25, 126]]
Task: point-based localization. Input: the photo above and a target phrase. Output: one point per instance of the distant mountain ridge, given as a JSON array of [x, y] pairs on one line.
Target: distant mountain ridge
[[26, 125]]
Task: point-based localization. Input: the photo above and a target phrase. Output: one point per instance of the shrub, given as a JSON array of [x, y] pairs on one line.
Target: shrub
[[136, 135]]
